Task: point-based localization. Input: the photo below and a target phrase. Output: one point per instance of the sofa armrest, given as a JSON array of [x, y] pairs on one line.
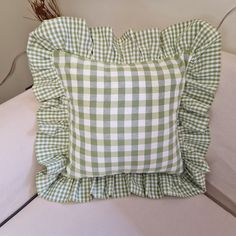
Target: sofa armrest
[[17, 162], [221, 181]]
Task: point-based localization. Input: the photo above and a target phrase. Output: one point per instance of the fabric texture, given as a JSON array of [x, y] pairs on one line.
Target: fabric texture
[[122, 117], [197, 40], [129, 216], [221, 153], [17, 136]]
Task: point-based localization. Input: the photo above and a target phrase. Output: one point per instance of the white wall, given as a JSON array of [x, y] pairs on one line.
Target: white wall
[[139, 14], [14, 30], [119, 14]]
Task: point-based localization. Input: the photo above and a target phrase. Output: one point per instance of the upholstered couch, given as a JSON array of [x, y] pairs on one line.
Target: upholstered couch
[[209, 214]]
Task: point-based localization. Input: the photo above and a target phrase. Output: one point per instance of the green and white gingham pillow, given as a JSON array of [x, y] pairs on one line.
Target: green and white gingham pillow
[[122, 116]]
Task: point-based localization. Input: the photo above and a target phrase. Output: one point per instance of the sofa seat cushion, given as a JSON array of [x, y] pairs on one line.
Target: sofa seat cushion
[[221, 181], [130, 216]]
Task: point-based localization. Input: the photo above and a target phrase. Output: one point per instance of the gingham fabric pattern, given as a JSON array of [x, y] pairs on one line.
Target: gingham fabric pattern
[[201, 45], [122, 117]]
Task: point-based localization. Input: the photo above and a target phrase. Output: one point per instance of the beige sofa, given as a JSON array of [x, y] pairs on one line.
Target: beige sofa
[[209, 214]]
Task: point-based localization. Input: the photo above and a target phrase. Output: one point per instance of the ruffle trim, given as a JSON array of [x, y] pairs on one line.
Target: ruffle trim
[[196, 39]]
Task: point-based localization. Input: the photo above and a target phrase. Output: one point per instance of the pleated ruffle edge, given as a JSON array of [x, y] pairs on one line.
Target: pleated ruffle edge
[[199, 42]]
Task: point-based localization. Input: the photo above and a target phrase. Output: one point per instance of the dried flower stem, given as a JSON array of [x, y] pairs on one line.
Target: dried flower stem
[[45, 9]]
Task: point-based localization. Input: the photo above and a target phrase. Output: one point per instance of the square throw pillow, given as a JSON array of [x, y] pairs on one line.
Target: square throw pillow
[[122, 116]]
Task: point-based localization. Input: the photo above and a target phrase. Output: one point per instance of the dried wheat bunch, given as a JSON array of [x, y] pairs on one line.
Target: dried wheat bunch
[[45, 9]]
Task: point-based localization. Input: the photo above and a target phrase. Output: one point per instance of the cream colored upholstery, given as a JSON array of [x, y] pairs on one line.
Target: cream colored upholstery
[[221, 181], [17, 162], [197, 216]]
